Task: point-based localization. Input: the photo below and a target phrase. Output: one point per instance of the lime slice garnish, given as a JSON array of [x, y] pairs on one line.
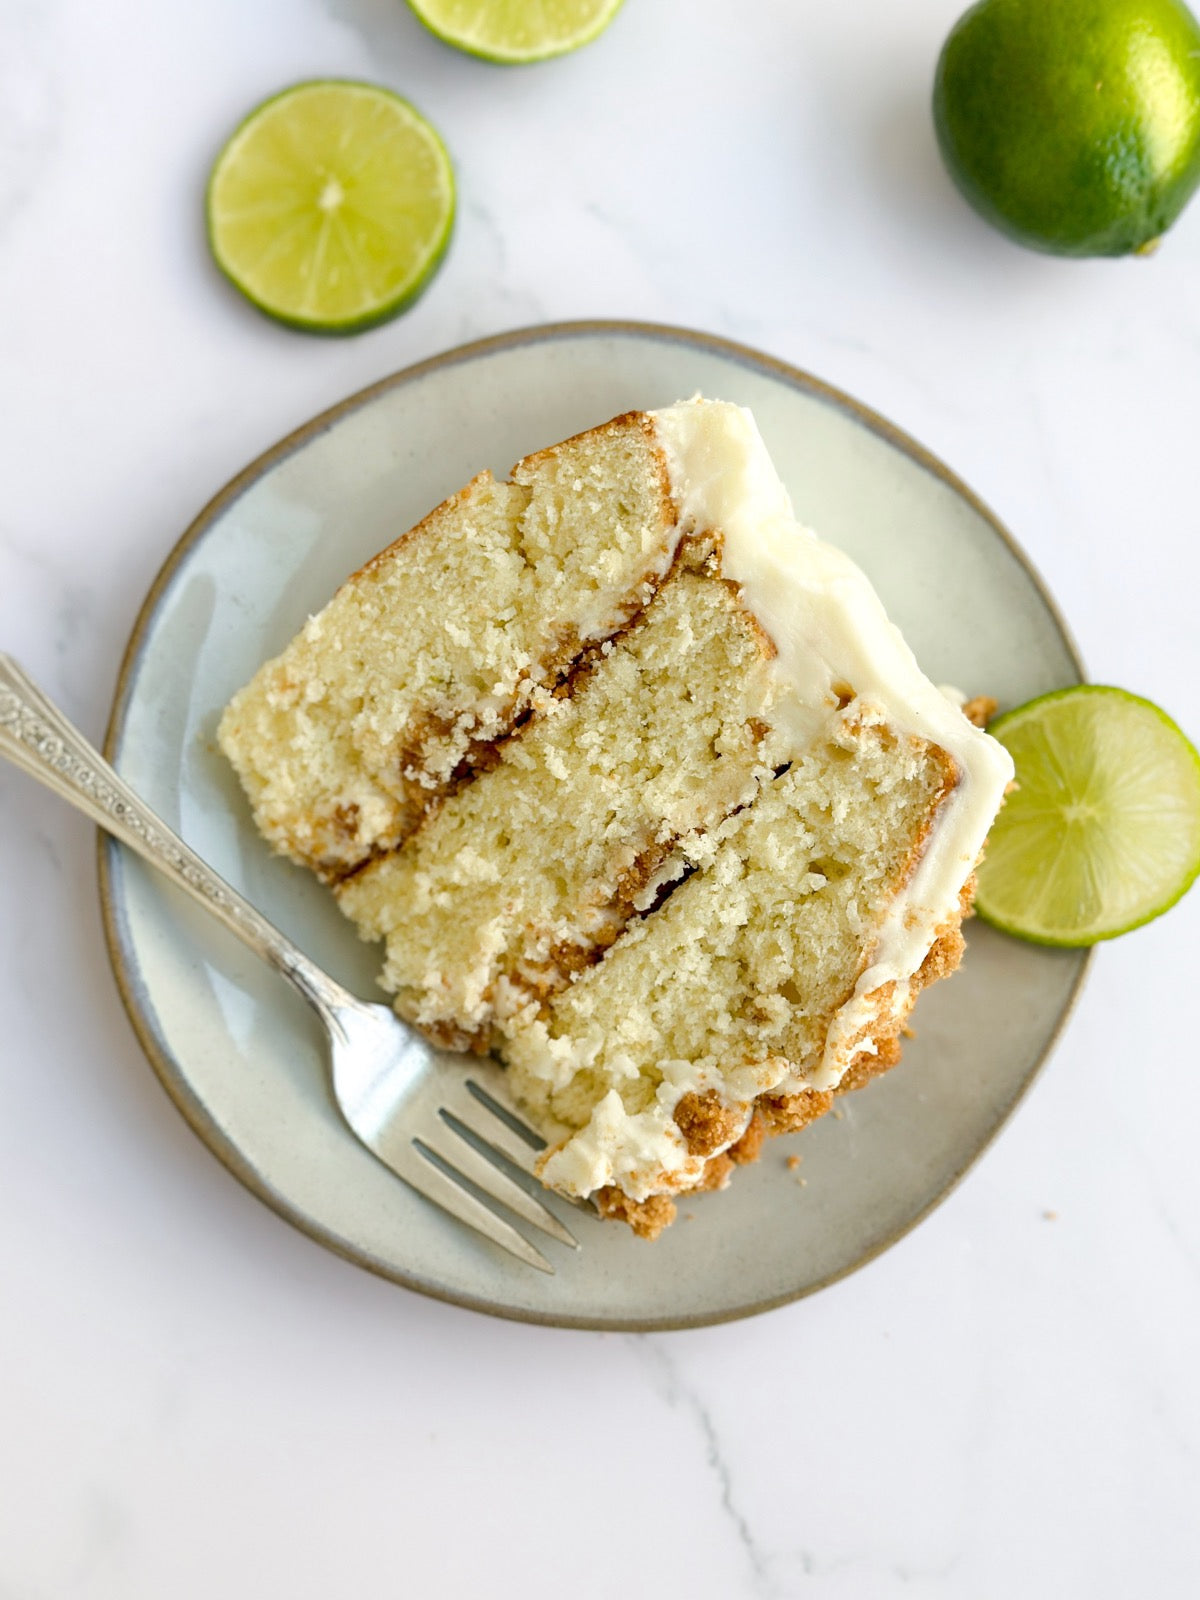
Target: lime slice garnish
[[516, 31], [331, 206], [1103, 830]]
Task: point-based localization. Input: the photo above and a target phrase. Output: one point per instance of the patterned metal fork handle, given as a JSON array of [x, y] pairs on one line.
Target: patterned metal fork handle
[[36, 737]]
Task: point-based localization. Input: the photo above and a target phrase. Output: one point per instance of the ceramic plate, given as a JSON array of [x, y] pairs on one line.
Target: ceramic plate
[[239, 1053]]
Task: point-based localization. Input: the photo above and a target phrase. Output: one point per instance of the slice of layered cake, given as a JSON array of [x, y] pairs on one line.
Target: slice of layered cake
[[643, 793]]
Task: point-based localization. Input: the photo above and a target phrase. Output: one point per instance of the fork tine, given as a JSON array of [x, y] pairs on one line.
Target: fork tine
[[486, 1082], [470, 1103], [445, 1192], [485, 1124], [464, 1158]]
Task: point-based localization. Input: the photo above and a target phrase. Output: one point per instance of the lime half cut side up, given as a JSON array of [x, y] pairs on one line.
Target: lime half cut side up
[[331, 206], [514, 32], [1103, 831]]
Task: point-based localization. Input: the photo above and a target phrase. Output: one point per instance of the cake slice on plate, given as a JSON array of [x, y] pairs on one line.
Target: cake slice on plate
[[642, 791]]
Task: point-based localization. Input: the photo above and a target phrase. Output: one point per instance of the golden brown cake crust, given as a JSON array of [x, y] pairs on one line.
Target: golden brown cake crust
[[788, 1113], [428, 525], [980, 709], [611, 429], [749, 1146], [706, 1123], [647, 1218]]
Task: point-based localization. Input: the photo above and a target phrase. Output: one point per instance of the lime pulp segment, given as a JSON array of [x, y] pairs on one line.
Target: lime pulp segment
[[331, 206], [516, 31], [1103, 831]]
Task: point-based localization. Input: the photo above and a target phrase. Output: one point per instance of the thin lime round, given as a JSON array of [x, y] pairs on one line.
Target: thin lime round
[[1073, 125], [514, 32], [331, 206], [1103, 830]]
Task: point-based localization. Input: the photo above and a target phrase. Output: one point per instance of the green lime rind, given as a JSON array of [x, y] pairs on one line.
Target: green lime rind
[[1102, 833], [1073, 127], [409, 240], [507, 32]]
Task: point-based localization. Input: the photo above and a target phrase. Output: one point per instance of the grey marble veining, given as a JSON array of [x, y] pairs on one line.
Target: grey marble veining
[[654, 1353]]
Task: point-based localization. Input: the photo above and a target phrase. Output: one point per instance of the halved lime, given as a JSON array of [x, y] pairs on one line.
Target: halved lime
[[516, 31], [331, 205], [1103, 830]]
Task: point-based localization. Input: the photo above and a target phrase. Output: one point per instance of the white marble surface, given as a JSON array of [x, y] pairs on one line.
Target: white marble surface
[[194, 1399]]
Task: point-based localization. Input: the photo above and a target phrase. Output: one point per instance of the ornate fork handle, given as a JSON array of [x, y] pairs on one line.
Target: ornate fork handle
[[36, 737]]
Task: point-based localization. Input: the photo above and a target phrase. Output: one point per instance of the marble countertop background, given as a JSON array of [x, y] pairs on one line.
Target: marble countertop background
[[196, 1400]]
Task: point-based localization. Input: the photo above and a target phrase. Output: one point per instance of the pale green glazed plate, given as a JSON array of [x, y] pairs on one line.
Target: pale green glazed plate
[[237, 1050]]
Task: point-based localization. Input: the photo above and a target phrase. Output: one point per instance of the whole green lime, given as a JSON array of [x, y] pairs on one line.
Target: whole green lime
[[1073, 125]]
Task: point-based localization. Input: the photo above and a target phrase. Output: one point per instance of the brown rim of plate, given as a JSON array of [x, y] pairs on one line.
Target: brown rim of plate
[[129, 985]]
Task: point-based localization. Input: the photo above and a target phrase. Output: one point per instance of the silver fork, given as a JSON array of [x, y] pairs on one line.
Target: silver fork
[[439, 1121]]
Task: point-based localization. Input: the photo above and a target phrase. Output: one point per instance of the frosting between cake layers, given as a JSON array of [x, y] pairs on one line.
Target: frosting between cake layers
[[831, 632]]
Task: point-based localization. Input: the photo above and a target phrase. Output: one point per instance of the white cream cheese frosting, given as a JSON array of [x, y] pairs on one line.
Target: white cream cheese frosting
[[831, 634]]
